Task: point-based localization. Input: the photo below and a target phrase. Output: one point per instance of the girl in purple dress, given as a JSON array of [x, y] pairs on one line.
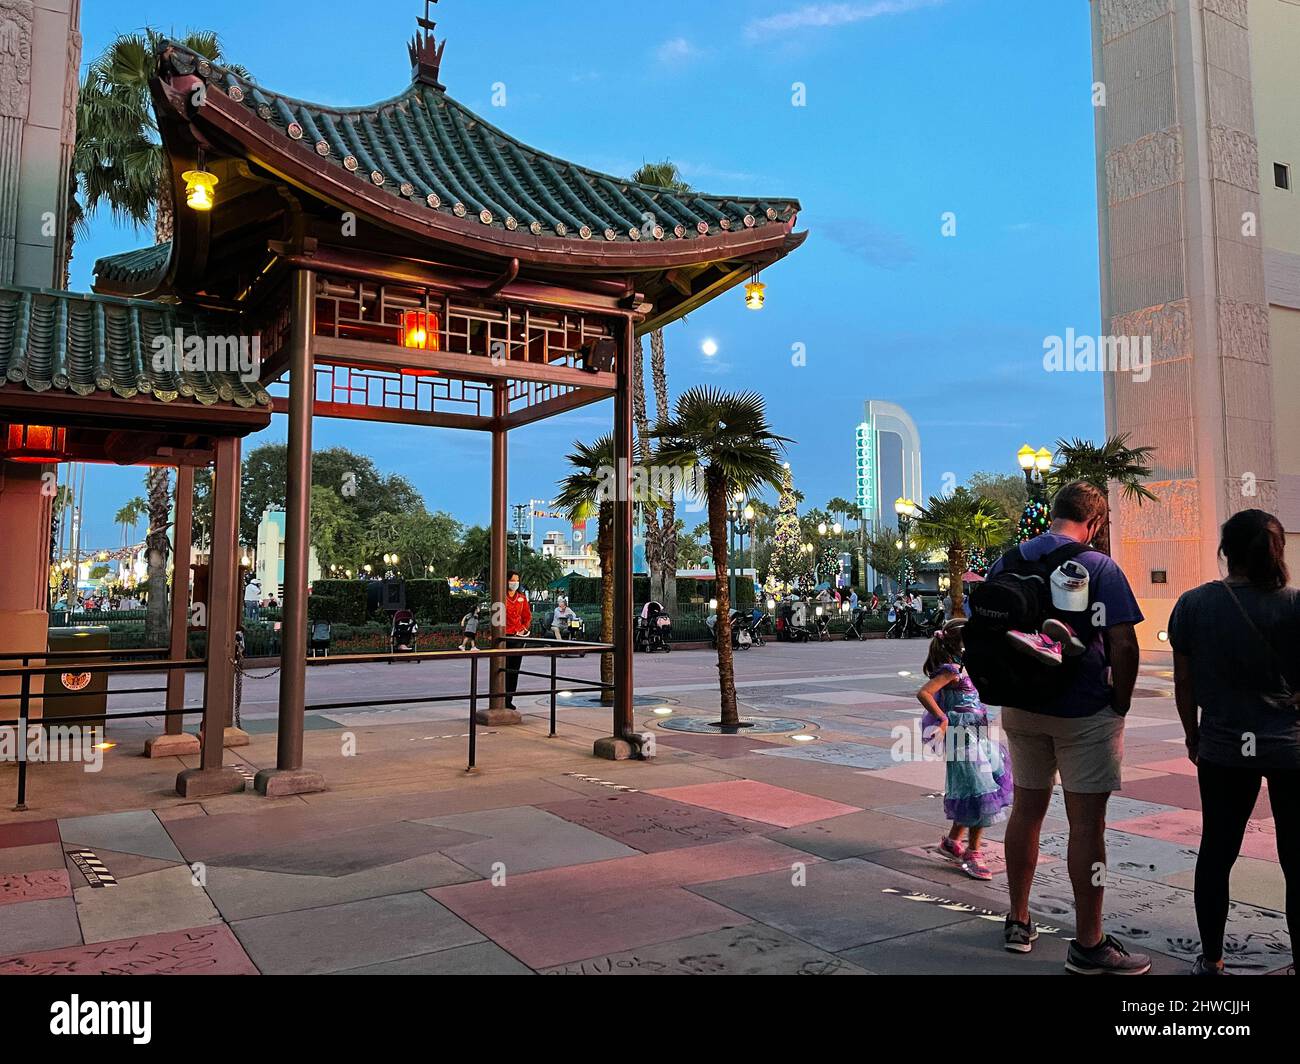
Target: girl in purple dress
[[978, 787]]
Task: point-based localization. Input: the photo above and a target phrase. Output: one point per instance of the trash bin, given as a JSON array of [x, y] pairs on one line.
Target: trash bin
[[75, 692]]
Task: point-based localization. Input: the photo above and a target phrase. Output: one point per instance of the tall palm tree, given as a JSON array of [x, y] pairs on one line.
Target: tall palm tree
[[728, 436], [661, 525], [118, 160], [129, 516], [1114, 460], [586, 492], [157, 546], [957, 524]]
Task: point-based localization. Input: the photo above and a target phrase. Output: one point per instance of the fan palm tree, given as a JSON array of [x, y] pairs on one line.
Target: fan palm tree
[[1113, 460], [118, 160], [661, 524], [727, 435], [957, 524], [585, 492]]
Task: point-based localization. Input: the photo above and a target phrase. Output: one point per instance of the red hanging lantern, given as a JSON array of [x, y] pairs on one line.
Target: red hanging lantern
[[420, 330], [35, 443]]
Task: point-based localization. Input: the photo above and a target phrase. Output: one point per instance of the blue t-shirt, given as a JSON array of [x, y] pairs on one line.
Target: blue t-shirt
[[1091, 692]]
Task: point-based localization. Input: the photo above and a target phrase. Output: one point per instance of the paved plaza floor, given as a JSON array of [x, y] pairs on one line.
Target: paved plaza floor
[[806, 851]]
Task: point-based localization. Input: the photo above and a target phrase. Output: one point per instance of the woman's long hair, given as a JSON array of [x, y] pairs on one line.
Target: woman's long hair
[[1253, 543]]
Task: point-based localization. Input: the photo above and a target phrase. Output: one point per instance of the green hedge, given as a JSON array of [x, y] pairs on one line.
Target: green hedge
[[337, 601]]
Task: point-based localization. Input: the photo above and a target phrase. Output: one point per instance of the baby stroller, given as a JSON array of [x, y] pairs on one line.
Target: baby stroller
[[822, 623], [402, 637], [741, 637], [790, 626], [319, 643], [857, 623], [654, 629]]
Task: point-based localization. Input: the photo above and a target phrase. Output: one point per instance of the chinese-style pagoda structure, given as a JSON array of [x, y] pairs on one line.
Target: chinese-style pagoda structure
[[409, 262]]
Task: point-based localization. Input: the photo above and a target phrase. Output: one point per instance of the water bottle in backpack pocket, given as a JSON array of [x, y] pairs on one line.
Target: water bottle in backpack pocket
[[1016, 611]]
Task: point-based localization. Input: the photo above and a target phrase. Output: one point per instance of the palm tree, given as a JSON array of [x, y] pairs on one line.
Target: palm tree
[[129, 516], [118, 160], [660, 527], [957, 524], [1114, 460], [728, 436], [157, 546], [584, 492]]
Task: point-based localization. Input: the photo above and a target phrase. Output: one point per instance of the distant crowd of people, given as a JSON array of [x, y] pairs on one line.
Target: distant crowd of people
[[91, 602]]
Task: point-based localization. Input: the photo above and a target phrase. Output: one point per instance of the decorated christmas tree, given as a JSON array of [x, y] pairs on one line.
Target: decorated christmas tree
[[1035, 519], [789, 568]]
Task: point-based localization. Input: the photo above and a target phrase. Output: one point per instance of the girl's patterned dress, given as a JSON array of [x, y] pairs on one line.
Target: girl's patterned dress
[[978, 790]]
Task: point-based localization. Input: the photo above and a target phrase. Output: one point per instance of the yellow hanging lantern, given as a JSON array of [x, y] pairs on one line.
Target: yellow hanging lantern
[[754, 296], [198, 189]]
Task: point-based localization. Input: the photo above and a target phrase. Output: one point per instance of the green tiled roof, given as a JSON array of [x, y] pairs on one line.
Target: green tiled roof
[[425, 147], [87, 343], [132, 266]]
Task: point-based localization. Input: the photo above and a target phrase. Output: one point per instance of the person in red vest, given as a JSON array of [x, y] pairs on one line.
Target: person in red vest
[[519, 618]]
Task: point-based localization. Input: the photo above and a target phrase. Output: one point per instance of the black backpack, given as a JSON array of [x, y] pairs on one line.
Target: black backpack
[[1019, 598]]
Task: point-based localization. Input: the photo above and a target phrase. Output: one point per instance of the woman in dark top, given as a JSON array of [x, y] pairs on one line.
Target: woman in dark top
[[1236, 649]]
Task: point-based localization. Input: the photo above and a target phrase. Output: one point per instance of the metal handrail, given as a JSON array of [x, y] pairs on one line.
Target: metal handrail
[[523, 646]]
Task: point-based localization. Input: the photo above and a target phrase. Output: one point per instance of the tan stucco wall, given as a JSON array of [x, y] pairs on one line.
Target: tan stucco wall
[[1275, 58]]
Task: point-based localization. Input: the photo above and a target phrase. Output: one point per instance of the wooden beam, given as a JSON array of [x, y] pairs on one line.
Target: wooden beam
[[550, 407], [368, 353], [393, 415]]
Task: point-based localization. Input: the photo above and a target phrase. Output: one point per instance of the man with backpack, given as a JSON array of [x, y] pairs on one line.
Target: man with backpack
[[1062, 712]]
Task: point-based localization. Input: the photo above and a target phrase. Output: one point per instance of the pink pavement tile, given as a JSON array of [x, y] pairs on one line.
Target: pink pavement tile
[[1183, 826], [928, 774], [567, 914], [196, 951], [29, 834], [1182, 791], [758, 801], [1179, 766], [40, 885]]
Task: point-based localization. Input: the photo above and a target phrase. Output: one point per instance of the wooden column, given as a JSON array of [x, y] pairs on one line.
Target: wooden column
[[288, 777], [497, 713], [616, 746], [222, 620], [174, 741]]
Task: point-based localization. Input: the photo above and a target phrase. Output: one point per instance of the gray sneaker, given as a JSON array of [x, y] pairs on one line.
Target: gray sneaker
[[1204, 967], [1108, 957], [1018, 937]]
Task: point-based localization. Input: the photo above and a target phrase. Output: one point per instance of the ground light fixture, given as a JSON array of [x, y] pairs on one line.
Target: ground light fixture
[[199, 189], [663, 711], [802, 738]]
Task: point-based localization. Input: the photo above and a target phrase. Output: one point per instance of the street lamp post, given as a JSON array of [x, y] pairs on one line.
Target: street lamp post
[[740, 519], [1035, 464], [906, 510]]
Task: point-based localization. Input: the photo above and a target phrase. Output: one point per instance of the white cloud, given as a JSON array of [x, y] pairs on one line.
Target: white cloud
[[676, 50], [821, 16]]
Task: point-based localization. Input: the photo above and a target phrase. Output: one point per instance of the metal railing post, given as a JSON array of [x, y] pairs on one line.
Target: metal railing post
[[23, 710], [552, 735], [473, 710]]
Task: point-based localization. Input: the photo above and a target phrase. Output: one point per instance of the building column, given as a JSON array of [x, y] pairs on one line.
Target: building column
[[211, 777], [618, 746], [174, 740], [288, 776], [26, 493], [497, 713]]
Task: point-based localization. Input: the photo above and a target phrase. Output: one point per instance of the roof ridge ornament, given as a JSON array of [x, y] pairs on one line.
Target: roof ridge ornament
[[426, 52]]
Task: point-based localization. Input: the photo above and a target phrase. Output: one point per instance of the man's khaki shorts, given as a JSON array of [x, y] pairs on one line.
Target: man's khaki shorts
[[1087, 751]]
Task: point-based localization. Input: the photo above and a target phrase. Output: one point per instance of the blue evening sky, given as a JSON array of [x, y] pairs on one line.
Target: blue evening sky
[[913, 108]]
